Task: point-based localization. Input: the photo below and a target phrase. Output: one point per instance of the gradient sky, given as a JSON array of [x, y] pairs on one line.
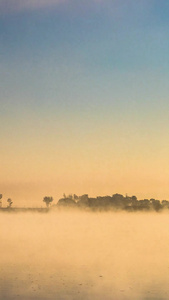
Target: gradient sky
[[84, 98]]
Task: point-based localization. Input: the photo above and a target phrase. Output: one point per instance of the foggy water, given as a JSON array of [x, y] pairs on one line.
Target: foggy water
[[64, 255]]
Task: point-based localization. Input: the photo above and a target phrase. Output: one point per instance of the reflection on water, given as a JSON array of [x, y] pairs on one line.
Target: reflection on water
[[111, 256]]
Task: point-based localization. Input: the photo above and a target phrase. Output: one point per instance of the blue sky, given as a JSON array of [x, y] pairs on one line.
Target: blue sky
[[85, 47], [85, 73]]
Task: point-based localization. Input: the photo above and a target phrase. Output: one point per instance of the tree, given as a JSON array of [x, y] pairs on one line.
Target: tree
[[66, 202], [47, 200], [0, 200], [134, 199], [9, 202], [75, 197]]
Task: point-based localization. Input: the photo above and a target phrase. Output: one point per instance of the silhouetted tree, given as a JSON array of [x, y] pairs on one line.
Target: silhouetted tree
[[119, 201], [156, 204], [134, 199], [75, 197], [83, 200], [144, 204], [47, 200], [9, 202], [165, 204], [0, 200], [66, 202], [114, 202]]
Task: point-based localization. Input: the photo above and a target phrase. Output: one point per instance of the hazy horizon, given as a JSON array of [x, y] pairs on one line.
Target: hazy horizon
[[34, 203]]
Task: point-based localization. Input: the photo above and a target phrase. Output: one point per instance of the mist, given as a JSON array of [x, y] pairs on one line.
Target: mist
[[84, 255]]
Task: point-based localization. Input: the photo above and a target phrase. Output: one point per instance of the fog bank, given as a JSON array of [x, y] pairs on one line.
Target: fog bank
[[80, 255]]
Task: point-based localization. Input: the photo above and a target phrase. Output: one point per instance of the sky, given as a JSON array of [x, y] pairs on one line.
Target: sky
[[84, 98]]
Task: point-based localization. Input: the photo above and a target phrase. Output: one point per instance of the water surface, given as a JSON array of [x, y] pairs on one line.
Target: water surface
[[87, 256]]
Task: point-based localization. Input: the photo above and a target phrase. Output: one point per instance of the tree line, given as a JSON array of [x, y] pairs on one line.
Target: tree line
[[114, 202], [102, 203]]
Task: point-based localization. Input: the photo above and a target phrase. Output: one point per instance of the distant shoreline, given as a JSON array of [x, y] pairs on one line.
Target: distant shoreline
[[114, 203], [20, 209]]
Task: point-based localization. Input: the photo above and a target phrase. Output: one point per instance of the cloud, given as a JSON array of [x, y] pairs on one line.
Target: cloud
[[14, 6]]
